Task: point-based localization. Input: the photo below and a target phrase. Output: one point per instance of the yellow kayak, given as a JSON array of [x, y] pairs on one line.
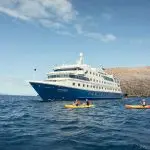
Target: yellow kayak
[[137, 106], [80, 106]]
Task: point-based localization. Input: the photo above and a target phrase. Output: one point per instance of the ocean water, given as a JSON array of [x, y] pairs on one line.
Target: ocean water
[[28, 124]]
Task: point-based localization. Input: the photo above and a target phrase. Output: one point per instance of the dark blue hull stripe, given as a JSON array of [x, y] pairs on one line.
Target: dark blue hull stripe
[[54, 92]]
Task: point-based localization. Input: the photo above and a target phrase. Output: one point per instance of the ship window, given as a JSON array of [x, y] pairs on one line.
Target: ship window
[[87, 85], [83, 85], [94, 87], [108, 78], [68, 69], [94, 80], [73, 84], [96, 74], [78, 84], [79, 77], [58, 76], [97, 80], [93, 73], [90, 72]]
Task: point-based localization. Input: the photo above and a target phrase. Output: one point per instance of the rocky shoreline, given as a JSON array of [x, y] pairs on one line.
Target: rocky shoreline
[[134, 81]]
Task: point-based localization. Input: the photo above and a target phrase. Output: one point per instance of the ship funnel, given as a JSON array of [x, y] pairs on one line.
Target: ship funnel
[[80, 62]]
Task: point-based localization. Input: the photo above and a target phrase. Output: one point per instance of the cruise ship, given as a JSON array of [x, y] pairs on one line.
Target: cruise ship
[[78, 81]]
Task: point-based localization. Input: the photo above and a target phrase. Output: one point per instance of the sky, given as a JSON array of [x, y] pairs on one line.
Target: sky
[[44, 33]]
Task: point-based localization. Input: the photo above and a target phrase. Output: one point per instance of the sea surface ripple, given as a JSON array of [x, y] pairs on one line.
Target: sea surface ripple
[[29, 124]]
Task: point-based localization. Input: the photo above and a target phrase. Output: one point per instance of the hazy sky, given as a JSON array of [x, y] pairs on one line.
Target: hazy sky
[[43, 33]]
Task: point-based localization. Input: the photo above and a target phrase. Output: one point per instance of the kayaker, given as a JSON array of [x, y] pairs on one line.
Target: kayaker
[[143, 102], [77, 102], [87, 102]]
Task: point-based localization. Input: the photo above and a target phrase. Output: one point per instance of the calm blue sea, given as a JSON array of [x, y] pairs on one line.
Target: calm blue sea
[[28, 124]]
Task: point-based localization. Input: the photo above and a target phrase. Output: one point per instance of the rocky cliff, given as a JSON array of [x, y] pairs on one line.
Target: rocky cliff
[[134, 81]]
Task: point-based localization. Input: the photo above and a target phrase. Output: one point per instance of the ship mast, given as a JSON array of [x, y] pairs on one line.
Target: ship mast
[[80, 62]]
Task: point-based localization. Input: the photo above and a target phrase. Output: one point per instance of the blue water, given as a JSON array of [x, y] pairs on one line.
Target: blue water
[[28, 124]]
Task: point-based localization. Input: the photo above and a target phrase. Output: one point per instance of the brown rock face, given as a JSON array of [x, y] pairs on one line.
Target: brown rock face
[[134, 81]]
